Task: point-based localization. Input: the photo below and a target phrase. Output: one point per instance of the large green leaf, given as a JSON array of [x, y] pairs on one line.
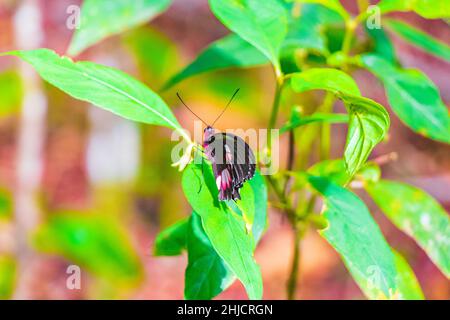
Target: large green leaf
[[306, 30], [383, 46], [368, 125], [430, 9], [333, 170], [207, 274], [6, 204], [156, 55], [413, 97], [357, 238], [368, 120], [8, 276], [102, 86], [298, 120], [172, 240], [332, 80], [417, 214], [228, 52], [103, 18], [96, 243], [261, 23], [259, 189], [224, 227], [419, 39], [11, 92], [409, 287]]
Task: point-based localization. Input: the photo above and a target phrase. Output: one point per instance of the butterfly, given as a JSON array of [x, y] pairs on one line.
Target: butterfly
[[232, 159]]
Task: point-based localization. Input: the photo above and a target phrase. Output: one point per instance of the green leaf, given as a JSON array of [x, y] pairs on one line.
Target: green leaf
[[96, 243], [6, 204], [102, 86], [368, 120], [306, 30], [103, 18], [228, 52], [382, 44], [225, 228], [8, 276], [11, 93], [207, 274], [409, 287], [357, 238], [259, 189], [419, 39], [155, 54], [370, 172], [413, 97], [261, 23], [368, 125], [333, 170], [417, 214], [430, 9], [172, 240], [332, 80], [297, 120], [334, 5], [387, 6]]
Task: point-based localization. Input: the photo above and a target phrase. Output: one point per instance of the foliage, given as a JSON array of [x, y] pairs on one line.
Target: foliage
[[418, 215], [97, 242], [11, 93], [312, 45], [6, 205], [8, 274], [100, 19]]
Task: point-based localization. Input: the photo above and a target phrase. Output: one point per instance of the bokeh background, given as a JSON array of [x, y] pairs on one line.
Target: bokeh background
[[63, 163]]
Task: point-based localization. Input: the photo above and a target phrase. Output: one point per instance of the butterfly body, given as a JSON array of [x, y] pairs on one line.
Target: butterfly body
[[232, 160]]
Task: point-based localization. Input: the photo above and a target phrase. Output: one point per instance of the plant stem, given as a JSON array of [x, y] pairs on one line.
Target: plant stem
[[325, 145], [350, 27], [274, 112], [282, 193], [293, 277], [290, 163]]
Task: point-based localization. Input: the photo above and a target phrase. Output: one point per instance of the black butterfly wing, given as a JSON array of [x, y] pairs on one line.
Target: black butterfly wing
[[233, 164]]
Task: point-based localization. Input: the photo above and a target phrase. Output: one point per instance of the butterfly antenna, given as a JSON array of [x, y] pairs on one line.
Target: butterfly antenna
[[179, 97], [229, 102]]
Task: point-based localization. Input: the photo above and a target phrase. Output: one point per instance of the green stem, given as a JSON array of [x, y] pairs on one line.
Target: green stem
[[350, 27], [290, 163], [293, 277], [274, 112], [325, 144]]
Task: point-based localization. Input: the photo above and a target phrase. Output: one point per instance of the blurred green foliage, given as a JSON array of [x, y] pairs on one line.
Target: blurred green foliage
[[6, 205], [11, 92], [8, 275], [100, 19], [96, 242]]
